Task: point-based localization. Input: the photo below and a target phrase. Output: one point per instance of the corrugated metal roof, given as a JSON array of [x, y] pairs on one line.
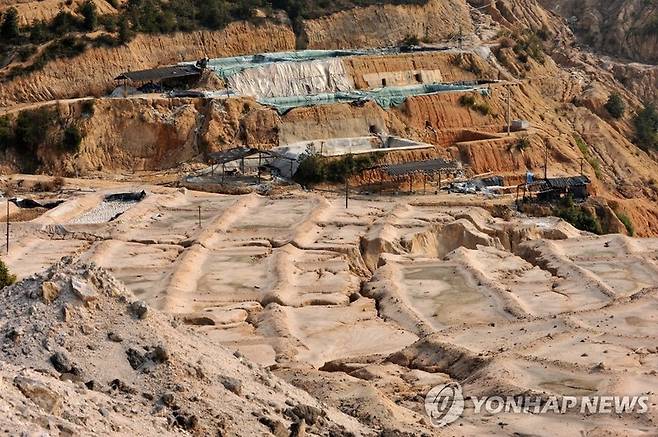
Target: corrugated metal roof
[[427, 167], [565, 182], [236, 153], [156, 74]]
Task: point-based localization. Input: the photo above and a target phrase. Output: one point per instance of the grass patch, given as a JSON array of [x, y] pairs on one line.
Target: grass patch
[[626, 220]]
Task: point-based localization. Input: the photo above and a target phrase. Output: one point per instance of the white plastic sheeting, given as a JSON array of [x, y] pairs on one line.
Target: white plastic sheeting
[[293, 79]]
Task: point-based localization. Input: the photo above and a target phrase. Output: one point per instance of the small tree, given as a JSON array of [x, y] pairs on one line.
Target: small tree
[[125, 32], [90, 15], [6, 278], [9, 27], [6, 133], [615, 106]]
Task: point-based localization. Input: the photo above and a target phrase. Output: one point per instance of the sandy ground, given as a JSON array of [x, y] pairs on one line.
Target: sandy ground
[[362, 307]]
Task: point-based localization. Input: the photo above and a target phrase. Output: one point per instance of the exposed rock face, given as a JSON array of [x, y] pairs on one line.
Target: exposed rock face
[[626, 28], [377, 26]]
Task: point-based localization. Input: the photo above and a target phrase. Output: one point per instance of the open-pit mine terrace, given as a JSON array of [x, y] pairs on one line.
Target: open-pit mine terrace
[[368, 307]]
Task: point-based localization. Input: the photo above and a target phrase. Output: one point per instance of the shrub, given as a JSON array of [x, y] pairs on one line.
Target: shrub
[[6, 278], [71, 139], [6, 133], [615, 106], [523, 143], [89, 15], [579, 217], [314, 168], [32, 129], [51, 185], [125, 33], [63, 23], [409, 41], [529, 45], [9, 26], [470, 101], [646, 127], [87, 108], [467, 100], [506, 42]]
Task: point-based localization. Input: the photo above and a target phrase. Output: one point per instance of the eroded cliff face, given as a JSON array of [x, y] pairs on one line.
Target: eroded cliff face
[[378, 26], [626, 28], [92, 72], [32, 10]]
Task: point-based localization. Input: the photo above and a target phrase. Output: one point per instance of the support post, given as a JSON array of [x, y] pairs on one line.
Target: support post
[[7, 219], [509, 111], [199, 215], [411, 182], [347, 191], [545, 160], [259, 158]]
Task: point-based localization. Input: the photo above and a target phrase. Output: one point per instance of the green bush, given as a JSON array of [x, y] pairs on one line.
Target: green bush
[[6, 278], [529, 45], [410, 41], [72, 139], [32, 129], [9, 26], [6, 133], [89, 15], [580, 218], [615, 106], [646, 127], [314, 168], [88, 108], [523, 143]]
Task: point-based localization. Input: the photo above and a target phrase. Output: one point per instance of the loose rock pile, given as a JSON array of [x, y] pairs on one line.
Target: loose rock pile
[[80, 355]]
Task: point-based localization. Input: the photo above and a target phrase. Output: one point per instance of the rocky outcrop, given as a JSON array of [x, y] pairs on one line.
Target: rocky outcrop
[[626, 28]]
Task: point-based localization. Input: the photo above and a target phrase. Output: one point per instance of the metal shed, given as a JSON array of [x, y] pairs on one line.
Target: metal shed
[[160, 74]]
